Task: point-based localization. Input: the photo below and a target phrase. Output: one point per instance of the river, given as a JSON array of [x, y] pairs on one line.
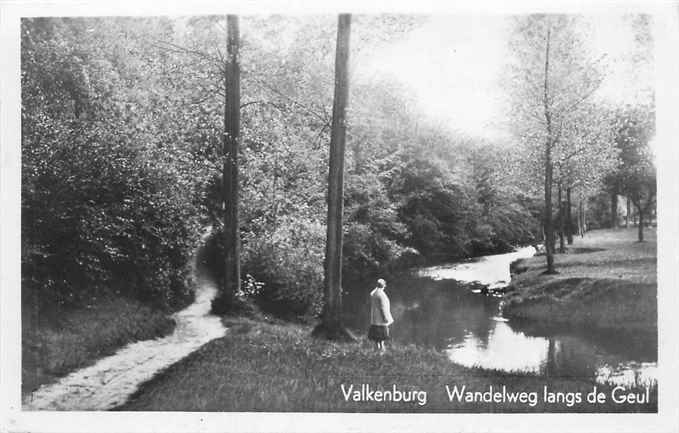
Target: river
[[433, 307]]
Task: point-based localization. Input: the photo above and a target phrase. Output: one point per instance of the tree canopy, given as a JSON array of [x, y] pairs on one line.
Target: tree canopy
[[122, 127]]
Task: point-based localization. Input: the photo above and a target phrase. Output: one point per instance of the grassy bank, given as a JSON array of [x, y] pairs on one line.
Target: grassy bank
[[76, 338], [605, 279], [262, 366]]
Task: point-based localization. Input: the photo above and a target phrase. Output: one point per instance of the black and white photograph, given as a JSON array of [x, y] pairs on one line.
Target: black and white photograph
[[337, 211]]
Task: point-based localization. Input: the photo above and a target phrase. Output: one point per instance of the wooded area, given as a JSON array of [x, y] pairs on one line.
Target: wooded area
[[139, 132]]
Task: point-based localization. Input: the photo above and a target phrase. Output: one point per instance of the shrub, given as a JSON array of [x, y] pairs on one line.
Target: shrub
[[109, 201], [100, 218], [285, 266]]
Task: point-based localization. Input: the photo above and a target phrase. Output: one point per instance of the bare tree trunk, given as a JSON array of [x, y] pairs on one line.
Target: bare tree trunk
[[640, 231], [230, 170], [614, 210], [581, 219], [332, 325], [584, 217], [562, 245], [629, 211], [549, 229], [569, 217]]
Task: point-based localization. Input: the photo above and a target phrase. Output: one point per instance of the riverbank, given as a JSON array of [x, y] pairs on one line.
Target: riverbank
[[606, 279], [274, 366], [76, 338]]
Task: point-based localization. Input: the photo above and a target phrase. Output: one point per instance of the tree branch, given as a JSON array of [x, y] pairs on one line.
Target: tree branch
[[169, 46], [291, 99]]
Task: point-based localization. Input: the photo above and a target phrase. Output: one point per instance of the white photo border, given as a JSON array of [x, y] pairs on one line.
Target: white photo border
[[13, 419]]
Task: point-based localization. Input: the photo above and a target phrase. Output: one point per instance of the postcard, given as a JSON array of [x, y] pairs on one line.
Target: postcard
[[339, 216]]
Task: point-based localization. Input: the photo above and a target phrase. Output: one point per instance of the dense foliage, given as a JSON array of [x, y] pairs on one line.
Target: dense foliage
[[109, 197], [122, 123]]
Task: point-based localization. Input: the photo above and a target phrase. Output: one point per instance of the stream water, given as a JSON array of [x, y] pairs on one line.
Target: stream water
[[431, 307]]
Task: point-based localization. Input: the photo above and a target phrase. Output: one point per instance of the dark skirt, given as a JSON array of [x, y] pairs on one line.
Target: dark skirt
[[378, 332]]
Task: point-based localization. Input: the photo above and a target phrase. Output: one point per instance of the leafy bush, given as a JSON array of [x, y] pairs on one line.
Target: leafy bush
[[99, 216], [107, 206], [373, 232], [286, 267]]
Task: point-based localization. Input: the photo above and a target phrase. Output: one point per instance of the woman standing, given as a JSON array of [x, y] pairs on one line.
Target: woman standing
[[380, 316]]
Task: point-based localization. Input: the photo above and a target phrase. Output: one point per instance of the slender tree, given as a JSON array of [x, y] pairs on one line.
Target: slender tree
[[636, 173], [562, 244], [552, 79], [569, 217], [581, 217], [549, 167], [332, 324], [230, 168], [586, 154], [614, 209]]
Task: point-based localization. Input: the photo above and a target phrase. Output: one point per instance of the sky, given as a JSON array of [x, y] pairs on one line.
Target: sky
[[454, 64]]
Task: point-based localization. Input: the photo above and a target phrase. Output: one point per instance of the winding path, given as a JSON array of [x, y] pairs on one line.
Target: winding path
[[112, 380]]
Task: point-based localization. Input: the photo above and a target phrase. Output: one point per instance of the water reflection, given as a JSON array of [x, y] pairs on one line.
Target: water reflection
[[503, 349], [507, 349], [638, 373], [433, 309]]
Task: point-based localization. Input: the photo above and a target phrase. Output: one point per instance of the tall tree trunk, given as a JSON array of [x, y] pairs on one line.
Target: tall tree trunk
[[629, 211], [569, 217], [562, 245], [548, 226], [584, 217], [640, 232], [614, 210], [549, 229], [332, 325], [581, 219], [230, 169]]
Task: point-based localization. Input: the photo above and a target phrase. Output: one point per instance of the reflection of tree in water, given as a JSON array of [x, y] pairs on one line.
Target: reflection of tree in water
[[571, 357], [552, 362], [434, 313], [421, 322], [626, 345]]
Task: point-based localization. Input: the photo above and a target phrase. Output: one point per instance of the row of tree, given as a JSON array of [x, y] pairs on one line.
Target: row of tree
[[580, 144], [377, 239], [138, 132], [123, 160]]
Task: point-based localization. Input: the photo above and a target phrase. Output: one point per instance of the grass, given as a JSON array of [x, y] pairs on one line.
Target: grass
[[77, 338], [616, 254], [271, 366], [278, 367], [605, 279]]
